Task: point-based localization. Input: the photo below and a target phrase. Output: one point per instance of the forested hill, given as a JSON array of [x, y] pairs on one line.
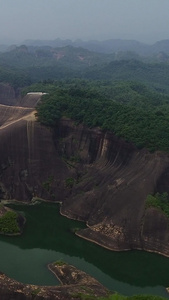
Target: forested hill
[[155, 75], [106, 46], [50, 63], [126, 96], [128, 109], [24, 65], [13, 76]]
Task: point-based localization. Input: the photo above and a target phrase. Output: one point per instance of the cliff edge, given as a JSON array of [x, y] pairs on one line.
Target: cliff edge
[[99, 178]]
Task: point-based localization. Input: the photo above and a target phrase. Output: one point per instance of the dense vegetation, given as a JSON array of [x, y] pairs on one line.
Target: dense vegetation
[[14, 77], [119, 297], [22, 65], [128, 109], [8, 223], [125, 95], [160, 201], [155, 75], [45, 63]]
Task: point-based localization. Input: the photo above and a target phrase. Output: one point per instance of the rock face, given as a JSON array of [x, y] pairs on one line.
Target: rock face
[[74, 283], [98, 177], [110, 192], [8, 95], [29, 164]]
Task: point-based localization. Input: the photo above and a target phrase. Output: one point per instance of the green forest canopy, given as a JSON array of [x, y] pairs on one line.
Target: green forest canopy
[[128, 109], [24, 65], [127, 97]]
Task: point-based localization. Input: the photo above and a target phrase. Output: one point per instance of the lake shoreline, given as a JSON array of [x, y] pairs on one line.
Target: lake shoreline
[[73, 286], [42, 216]]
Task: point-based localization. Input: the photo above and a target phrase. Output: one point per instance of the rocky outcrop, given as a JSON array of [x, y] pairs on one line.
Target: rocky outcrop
[[29, 163], [99, 178], [110, 193], [74, 283], [8, 95]]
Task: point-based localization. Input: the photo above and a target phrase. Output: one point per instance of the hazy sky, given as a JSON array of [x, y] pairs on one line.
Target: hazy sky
[[143, 20]]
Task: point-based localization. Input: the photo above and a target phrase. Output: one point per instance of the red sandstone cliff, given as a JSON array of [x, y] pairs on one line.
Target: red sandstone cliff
[[110, 192], [99, 178]]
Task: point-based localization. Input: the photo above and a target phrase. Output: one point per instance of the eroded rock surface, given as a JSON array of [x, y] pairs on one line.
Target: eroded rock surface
[[8, 95], [99, 178], [74, 283], [111, 191], [29, 163]]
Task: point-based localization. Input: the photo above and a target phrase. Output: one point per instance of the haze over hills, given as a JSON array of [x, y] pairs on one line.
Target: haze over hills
[[101, 121], [106, 46], [23, 65], [96, 142]]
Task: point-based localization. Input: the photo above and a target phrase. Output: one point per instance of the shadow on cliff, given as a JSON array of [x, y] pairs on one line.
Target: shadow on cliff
[[99, 178], [110, 194]]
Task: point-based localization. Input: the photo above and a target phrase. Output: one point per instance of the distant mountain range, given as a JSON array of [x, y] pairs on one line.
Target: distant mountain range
[[107, 46]]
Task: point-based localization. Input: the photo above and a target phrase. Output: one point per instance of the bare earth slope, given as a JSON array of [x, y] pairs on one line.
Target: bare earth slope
[[99, 178]]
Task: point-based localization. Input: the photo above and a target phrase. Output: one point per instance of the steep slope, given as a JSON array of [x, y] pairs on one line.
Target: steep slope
[[110, 193], [29, 165], [7, 94], [12, 114], [98, 177]]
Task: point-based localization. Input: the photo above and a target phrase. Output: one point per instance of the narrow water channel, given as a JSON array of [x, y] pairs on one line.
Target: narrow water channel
[[49, 237]]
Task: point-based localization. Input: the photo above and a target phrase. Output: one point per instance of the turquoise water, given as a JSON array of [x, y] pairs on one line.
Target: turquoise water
[[48, 237]]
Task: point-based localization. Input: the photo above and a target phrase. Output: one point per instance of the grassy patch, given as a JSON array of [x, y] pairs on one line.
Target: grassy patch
[[159, 201], [60, 262], [116, 296], [35, 292], [75, 159], [69, 182], [136, 297], [48, 183], [75, 229], [84, 296]]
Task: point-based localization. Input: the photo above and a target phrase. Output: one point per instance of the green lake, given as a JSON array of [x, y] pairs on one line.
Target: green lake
[[49, 237]]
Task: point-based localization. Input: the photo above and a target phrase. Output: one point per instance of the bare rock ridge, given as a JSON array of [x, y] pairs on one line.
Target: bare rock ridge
[[73, 283], [98, 177]]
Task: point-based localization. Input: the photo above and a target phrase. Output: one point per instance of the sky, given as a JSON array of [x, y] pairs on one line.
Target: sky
[[143, 20]]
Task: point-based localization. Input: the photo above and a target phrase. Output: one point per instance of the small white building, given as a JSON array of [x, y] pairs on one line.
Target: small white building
[[37, 93]]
